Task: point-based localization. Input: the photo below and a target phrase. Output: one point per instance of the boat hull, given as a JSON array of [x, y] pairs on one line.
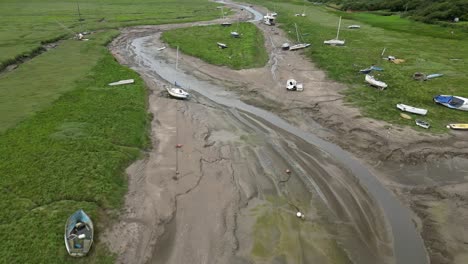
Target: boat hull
[[79, 234], [452, 101], [411, 109], [370, 79], [458, 126], [178, 93]]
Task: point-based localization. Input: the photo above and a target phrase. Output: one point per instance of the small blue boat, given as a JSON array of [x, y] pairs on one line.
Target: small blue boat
[[79, 234]]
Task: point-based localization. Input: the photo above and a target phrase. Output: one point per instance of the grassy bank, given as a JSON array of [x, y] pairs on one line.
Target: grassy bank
[[25, 24], [248, 51], [426, 48], [65, 136], [69, 156]]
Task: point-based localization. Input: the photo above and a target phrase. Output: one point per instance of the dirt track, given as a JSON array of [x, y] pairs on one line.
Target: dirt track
[[231, 172]]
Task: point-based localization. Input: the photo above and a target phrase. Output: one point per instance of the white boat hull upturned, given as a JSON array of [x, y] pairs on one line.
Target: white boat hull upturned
[[79, 234], [372, 81], [411, 109], [334, 42], [177, 92], [299, 46], [354, 27], [122, 82]]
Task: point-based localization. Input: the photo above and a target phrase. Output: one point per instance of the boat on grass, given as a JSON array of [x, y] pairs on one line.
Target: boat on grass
[[354, 26], [299, 45], [79, 234], [411, 109], [372, 81], [452, 101], [336, 41], [422, 124], [122, 82], [405, 116], [221, 45], [458, 126]]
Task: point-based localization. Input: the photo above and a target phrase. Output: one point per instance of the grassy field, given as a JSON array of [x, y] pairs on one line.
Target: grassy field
[[426, 48], [248, 51], [65, 136], [24, 25]]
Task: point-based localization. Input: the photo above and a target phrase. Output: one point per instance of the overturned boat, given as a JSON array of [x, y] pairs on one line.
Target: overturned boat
[[221, 45], [79, 234], [372, 81], [354, 26], [451, 101], [122, 82], [411, 109]]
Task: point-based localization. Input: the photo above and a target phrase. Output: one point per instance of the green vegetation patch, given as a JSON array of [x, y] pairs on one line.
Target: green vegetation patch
[[69, 156], [425, 48], [25, 24], [279, 236], [248, 51]]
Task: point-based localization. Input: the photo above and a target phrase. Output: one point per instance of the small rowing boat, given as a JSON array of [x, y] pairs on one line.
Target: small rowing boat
[[411, 109], [458, 126]]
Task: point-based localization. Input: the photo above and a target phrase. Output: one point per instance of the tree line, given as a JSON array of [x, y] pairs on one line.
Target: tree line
[[429, 11]]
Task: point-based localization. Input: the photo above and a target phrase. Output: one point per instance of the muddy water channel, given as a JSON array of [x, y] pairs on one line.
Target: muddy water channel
[[243, 174]]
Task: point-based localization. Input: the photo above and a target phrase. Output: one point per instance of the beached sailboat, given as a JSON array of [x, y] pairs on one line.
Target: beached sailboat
[[372, 81], [299, 45], [411, 109], [225, 23], [451, 101], [235, 34], [336, 41], [177, 92], [79, 234]]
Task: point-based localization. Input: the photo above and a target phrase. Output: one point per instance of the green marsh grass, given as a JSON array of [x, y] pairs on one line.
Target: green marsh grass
[[426, 48], [248, 51]]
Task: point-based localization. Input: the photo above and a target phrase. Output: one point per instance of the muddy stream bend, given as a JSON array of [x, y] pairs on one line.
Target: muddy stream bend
[[225, 196]]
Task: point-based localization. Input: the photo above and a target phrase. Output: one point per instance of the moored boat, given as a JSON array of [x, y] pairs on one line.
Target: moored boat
[[122, 82], [452, 101], [458, 126], [177, 92], [79, 234], [372, 81], [411, 109]]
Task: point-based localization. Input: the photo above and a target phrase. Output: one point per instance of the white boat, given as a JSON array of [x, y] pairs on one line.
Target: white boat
[[225, 23], [269, 20], [122, 82], [177, 92], [235, 34], [161, 48], [354, 26], [285, 46], [293, 85], [299, 45], [336, 41], [79, 234], [221, 45], [411, 109], [452, 101], [372, 81]]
